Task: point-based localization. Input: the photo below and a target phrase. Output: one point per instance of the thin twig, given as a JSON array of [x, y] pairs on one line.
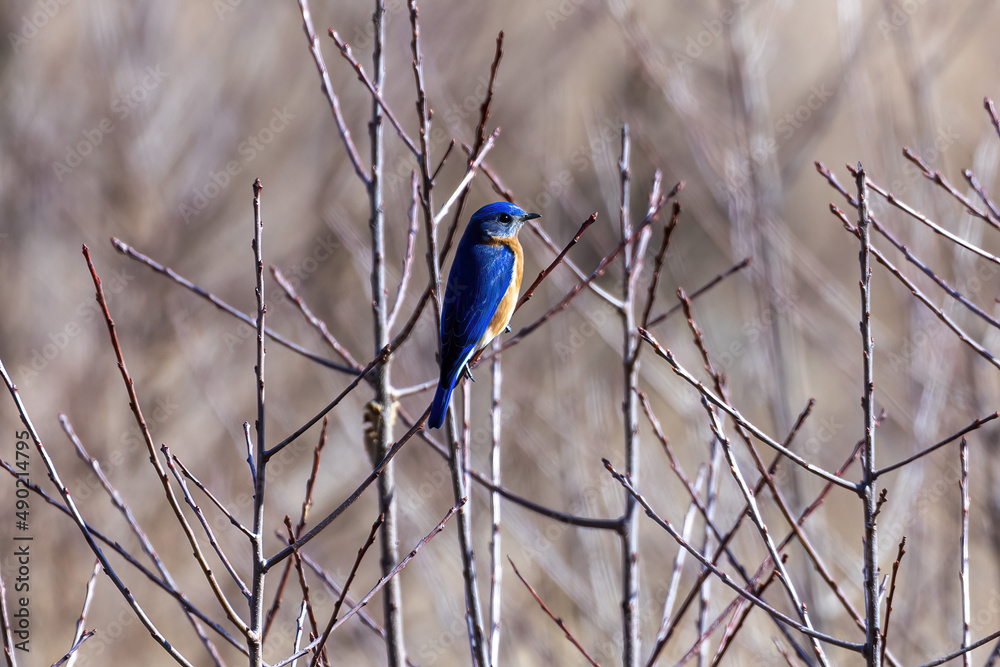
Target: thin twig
[[161, 474], [920, 217], [332, 516], [735, 268], [963, 574], [742, 421], [938, 178], [941, 315], [206, 526], [130, 559], [444, 158], [327, 87], [215, 501], [248, 444], [725, 578], [8, 638], [892, 592], [907, 253], [401, 392], [661, 254], [411, 236], [559, 258], [951, 438], [65, 660], [378, 586], [82, 525], [132, 253], [299, 625], [317, 323], [991, 110], [373, 89], [496, 563], [975, 184], [363, 374], [558, 621], [144, 541], [81, 623], [962, 651]]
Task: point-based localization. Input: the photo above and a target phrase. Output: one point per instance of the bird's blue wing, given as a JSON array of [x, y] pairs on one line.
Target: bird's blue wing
[[479, 279]]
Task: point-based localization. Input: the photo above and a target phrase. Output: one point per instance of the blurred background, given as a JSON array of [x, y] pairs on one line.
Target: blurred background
[[149, 122]]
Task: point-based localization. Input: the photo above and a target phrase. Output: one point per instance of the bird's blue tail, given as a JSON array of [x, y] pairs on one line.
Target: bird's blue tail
[[440, 405]]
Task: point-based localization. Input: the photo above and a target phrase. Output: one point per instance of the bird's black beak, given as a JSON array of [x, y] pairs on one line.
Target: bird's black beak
[[530, 216]]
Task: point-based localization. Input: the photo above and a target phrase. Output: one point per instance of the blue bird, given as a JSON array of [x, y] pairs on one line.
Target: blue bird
[[482, 291]]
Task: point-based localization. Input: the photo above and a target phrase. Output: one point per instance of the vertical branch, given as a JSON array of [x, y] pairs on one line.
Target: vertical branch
[[256, 630], [8, 639], [873, 643], [632, 261], [963, 452], [496, 564], [81, 623], [704, 595], [384, 399], [474, 614]]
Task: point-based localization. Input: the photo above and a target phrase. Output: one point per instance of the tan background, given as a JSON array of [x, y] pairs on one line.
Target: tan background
[[167, 93]]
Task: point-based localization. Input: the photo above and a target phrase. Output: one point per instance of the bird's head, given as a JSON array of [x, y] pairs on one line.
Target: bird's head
[[499, 220]]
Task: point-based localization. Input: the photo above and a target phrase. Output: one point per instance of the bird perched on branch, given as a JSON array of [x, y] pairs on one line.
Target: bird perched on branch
[[482, 291]]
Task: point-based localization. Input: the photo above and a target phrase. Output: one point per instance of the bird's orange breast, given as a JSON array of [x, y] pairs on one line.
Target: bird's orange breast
[[506, 308]]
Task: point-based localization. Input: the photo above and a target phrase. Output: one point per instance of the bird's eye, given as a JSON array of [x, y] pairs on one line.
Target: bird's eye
[[505, 217]]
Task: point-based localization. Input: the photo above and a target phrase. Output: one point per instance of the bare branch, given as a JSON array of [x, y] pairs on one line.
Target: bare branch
[[558, 621], [327, 88], [732, 412]]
